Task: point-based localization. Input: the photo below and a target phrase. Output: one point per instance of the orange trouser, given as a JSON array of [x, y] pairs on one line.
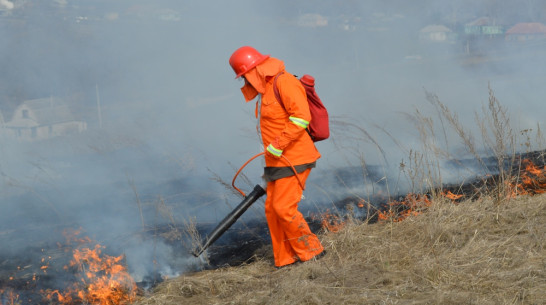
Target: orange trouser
[[290, 234]]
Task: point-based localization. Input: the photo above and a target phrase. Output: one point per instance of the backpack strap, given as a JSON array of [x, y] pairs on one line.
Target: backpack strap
[[278, 96], [276, 90]]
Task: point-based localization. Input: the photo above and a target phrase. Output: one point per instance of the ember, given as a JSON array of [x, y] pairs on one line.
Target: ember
[[8, 297]]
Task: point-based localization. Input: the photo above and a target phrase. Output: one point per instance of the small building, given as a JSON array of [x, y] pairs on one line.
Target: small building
[[436, 33], [483, 26], [42, 119], [526, 32]]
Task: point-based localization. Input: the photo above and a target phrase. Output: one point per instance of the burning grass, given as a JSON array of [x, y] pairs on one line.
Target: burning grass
[[478, 243], [102, 279], [474, 252]]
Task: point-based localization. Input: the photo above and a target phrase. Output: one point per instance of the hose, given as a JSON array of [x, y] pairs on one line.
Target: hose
[[232, 217], [254, 157]]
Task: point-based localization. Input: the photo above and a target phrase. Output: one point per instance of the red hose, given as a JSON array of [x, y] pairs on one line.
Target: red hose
[[240, 169]]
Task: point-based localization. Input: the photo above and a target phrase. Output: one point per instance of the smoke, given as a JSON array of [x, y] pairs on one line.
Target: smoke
[[61, 3], [6, 4], [174, 127]]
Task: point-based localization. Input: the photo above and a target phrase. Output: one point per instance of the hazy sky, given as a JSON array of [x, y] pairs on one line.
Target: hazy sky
[[173, 117]]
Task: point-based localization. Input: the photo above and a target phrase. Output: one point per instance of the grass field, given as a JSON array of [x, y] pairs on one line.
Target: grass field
[[488, 250], [473, 252]]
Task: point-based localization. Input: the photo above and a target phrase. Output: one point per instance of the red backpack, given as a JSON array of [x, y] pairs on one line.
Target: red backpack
[[318, 128]]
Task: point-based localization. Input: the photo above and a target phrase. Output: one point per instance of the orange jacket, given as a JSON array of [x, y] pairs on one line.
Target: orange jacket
[[283, 128]]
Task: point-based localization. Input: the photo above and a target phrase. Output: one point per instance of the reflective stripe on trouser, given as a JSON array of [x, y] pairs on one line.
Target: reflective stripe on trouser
[[290, 234]]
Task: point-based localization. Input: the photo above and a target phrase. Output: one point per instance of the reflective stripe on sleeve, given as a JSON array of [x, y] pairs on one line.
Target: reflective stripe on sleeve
[[274, 151], [300, 122]]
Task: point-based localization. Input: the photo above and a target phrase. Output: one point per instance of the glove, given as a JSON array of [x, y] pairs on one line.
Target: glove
[[272, 149]]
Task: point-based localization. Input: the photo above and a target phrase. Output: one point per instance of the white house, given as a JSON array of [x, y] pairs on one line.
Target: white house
[[42, 119]]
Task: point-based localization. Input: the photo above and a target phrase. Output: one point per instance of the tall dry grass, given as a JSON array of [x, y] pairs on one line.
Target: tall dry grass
[[452, 254], [486, 251], [497, 140]]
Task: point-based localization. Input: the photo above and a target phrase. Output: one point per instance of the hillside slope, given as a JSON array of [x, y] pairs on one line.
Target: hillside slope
[[467, 253]]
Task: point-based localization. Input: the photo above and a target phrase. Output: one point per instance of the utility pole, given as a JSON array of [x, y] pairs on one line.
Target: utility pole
[[98, 105]]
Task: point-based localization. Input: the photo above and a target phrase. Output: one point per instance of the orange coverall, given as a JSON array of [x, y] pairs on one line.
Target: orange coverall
[[281, 126]]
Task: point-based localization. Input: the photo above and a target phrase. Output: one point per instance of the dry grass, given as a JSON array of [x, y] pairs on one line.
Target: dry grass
[[470, 253], [490, 251]]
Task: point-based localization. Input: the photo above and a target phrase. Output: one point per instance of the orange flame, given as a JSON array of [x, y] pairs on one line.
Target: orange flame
[[450, 195], [531, 168], [330, 222], [103, 280], [72, 237], [362, 203], [532, 181], [411, 205]]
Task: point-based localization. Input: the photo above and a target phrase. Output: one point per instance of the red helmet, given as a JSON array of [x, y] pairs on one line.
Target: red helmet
[[244, 59]]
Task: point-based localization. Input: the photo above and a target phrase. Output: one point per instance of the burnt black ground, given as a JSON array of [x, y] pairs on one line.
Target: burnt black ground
[[23, 274]]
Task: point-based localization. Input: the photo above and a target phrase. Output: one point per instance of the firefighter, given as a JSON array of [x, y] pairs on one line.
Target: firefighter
[[282, 130]]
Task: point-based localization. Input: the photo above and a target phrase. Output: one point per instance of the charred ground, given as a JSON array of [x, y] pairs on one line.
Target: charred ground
[[475, 252], [472, 249]]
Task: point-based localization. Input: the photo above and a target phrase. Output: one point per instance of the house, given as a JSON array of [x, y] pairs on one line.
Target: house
[[436, 33], [483, 26], [475, 27], [526, 32], [42, 119]]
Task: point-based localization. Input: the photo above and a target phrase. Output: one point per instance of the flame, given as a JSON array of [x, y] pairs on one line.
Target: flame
[[450, 195], [103, 279], [329, 221], [72, 237], [532, 181], [531, 168], [361, 203], [411, 205]]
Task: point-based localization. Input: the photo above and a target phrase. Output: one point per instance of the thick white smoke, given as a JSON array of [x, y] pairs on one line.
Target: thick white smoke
[[6, 4], [174, 124]]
